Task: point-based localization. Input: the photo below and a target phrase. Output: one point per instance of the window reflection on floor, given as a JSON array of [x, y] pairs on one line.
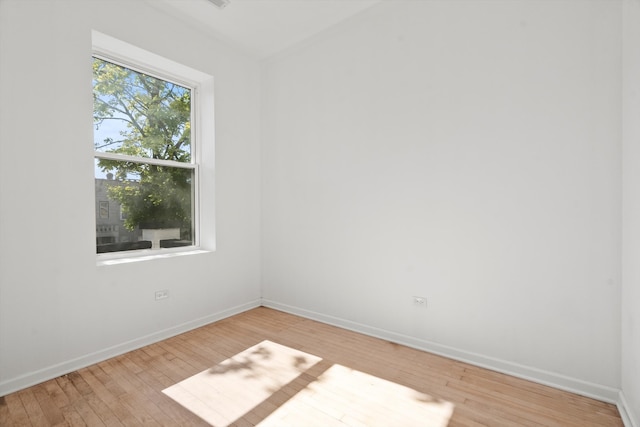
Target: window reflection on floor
[[274, 385]]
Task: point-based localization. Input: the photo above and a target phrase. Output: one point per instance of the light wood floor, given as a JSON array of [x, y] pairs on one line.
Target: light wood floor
[[269, 368]]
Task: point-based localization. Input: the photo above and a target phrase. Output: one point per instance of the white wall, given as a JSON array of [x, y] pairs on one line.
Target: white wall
[[465, 151], [58, 310], [631, 211]]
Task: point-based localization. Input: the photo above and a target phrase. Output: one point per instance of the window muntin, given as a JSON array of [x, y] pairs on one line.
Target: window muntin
[[144, 159]]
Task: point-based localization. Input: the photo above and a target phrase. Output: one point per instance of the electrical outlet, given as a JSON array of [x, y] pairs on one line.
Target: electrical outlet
[[162, 294], [420, 301]]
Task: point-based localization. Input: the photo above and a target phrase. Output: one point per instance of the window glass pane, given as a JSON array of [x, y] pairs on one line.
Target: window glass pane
[[141, 205], [152, 208], [139, 115]]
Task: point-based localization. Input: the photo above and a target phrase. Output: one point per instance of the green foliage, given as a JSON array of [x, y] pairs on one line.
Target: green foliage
[[153, 119], [161, 199]]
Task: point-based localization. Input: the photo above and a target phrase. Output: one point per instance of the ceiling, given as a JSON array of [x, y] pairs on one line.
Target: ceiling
[[266, 27]]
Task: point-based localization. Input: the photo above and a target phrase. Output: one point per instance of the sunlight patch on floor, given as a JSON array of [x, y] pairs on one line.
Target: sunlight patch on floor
[[224, 393], [343, 396], [339, 396]]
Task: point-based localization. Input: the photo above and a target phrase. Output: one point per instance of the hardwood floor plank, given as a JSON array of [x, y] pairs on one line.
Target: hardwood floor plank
[[32, 407], [135, 393], [72, 417], [56, 394], [15, 411], [5, 415], [111, 386], [107, 404], [84, 410], [546, 402], [50, 410]]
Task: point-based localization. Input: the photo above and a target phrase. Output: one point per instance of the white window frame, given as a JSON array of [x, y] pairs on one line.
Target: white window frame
[[202, 148]]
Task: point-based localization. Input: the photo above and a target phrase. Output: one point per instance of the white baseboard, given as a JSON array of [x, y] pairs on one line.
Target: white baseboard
[[625, 413], [573, 385], [45, 374]]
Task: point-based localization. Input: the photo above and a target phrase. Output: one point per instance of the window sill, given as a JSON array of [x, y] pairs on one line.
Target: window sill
[[146, 255]]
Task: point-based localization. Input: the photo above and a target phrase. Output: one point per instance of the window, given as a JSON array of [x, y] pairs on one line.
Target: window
[[146, 154]]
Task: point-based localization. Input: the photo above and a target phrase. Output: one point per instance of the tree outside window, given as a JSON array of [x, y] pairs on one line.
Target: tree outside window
[[143, 154]]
